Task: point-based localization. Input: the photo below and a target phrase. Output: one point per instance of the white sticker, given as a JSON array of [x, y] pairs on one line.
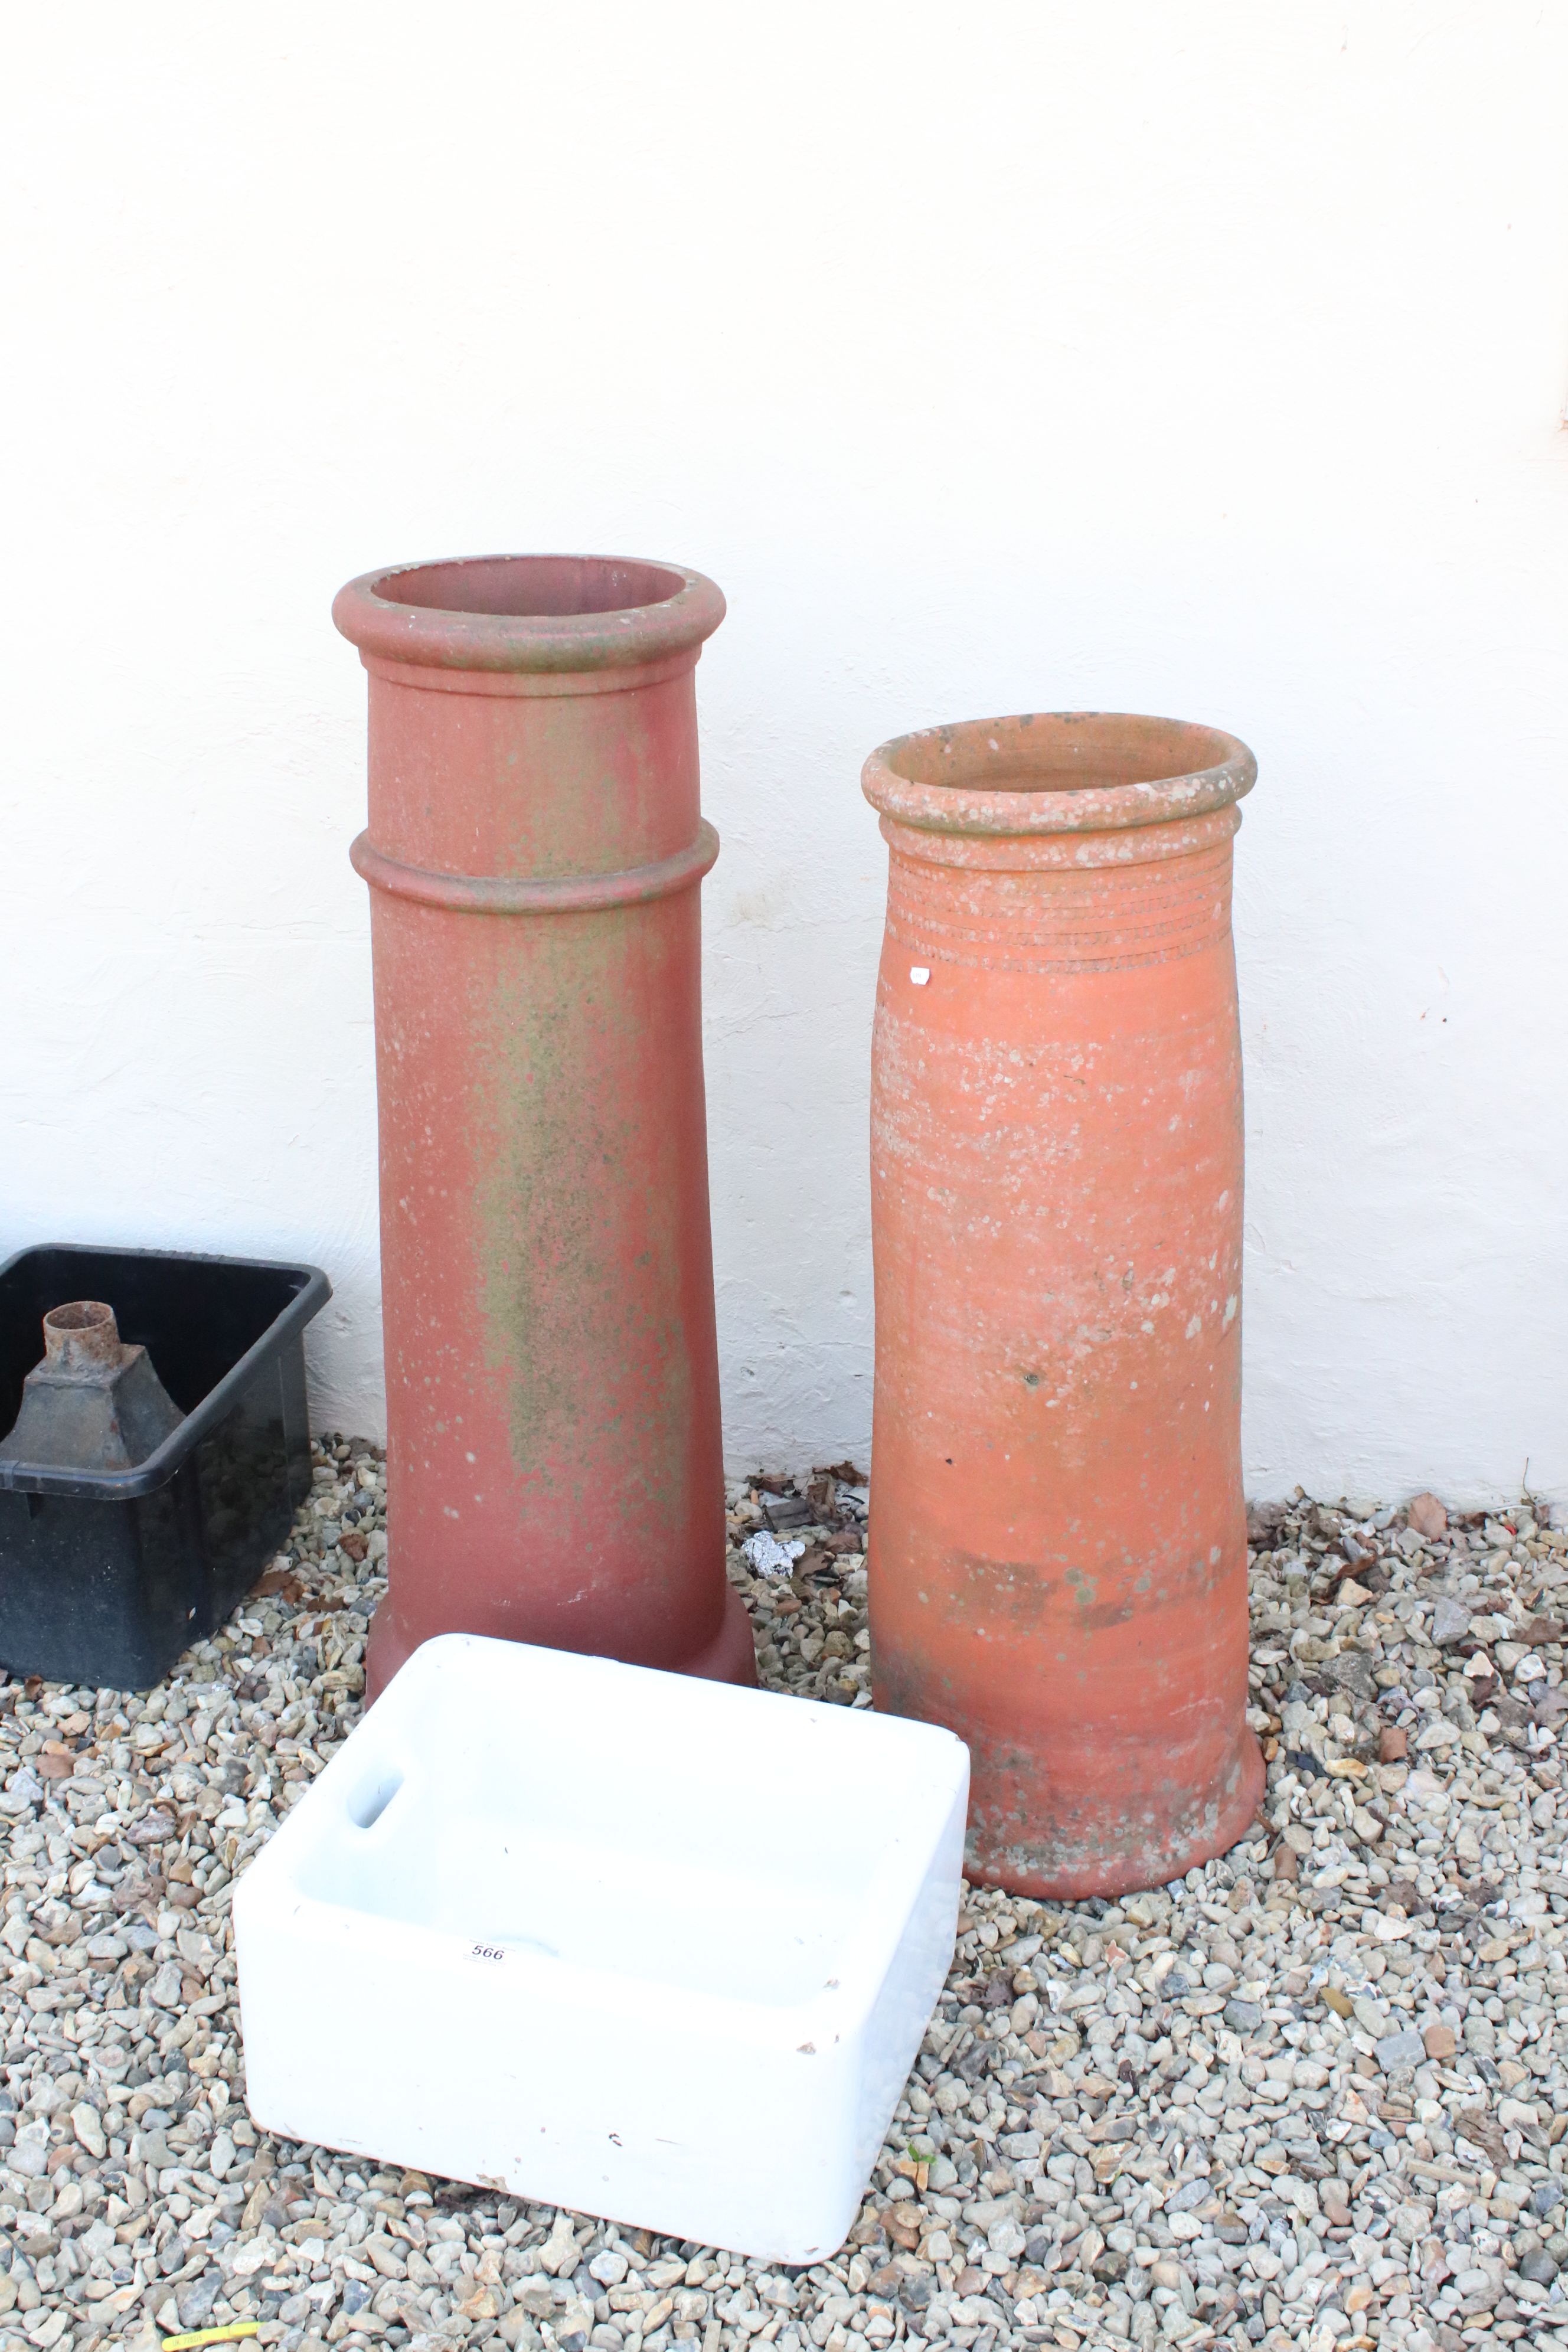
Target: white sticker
[[920, 974]]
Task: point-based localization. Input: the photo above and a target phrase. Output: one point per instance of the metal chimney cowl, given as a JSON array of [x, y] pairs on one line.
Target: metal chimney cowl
[[94, 1402]]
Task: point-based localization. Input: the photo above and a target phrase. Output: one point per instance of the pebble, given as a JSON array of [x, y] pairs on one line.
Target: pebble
[[1450, 1623], [1313, 2094]]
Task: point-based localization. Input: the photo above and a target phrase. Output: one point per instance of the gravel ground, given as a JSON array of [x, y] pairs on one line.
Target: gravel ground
[[1312, 2095]]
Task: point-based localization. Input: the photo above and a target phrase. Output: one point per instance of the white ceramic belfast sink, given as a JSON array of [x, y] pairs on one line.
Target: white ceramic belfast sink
[[642, 1946]]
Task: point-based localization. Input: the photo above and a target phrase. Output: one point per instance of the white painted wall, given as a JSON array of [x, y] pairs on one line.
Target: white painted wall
[[1207, 359]]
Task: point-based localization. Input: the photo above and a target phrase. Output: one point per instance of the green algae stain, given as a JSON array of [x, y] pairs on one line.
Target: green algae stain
[[583, 1297]]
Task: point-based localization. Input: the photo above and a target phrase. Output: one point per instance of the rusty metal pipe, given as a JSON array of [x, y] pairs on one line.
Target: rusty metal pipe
[[81, 1333], [533, 853]]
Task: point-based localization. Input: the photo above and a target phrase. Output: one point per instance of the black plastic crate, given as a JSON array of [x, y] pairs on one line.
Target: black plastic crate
[[106, 1577]]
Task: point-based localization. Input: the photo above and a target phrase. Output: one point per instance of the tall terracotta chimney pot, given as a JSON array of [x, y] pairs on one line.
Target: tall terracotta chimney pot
[[1058, 1535], [533, 852]]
